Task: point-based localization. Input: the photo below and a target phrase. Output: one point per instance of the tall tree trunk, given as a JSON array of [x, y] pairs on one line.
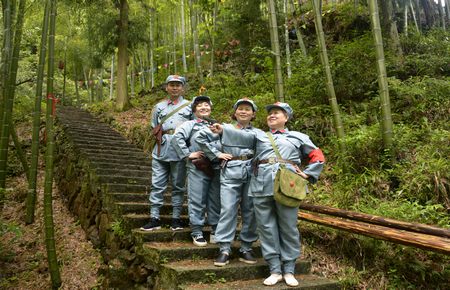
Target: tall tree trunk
[[31, 194], [183, 37], [429, 14], [174, 41], [213, 35], [390, 26], [77, 93], [337, 121], [122, 100], [286, 38], [48, 210], [198, 66], [441, 14], [382, 77], [111, 84], [133, 77], [275, 44], [19, 152], [151, 45], [100, 84], [6, 59], [414, 16], [6, 55], [63, 99], [417, 13], [10, 92], [301, 43]]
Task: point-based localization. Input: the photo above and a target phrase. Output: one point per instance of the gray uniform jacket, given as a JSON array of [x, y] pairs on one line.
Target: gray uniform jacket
[[161, 110], [235, 169], [292, 145], [185, 140]]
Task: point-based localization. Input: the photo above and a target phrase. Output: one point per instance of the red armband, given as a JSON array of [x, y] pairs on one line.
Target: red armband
[[316, 156]]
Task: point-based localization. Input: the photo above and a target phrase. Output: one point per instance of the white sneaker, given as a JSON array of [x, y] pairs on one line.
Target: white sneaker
[[273, 279], [212, 239], [290, 280], [199, 241]]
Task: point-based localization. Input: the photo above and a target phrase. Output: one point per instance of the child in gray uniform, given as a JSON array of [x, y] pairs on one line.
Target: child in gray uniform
[[276, 223], [203, 174], [234, 183]]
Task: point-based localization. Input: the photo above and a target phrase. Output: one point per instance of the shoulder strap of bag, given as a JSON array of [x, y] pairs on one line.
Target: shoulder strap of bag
[[173, 112], [275, 148]]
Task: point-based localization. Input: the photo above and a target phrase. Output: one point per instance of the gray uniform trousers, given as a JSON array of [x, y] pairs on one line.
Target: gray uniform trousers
[[275, 220], [203, 199], [161, 171], [234, 193]]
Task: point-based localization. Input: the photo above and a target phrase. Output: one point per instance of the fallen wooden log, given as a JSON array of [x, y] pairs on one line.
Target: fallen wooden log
[[377, 220], [419, 240]]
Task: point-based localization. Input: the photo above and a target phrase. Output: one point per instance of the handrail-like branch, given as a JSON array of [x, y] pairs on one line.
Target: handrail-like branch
[[377, 220], [419, 240]]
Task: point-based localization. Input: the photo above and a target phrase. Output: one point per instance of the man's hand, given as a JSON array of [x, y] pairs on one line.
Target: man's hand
[[301, 173], [216, 128], [225, 156], [196, 155]]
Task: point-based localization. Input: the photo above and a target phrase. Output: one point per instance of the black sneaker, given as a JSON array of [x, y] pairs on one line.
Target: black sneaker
[[177, 224], [154, 224], [199, 241], [247, 257], [222, 260]]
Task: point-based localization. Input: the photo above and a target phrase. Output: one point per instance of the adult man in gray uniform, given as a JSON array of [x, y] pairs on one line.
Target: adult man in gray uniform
[[169, 113]]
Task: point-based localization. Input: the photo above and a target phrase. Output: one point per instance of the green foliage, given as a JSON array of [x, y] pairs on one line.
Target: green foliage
[[425, 54], [8, 232], [353, 68], [424, 172], [420, 100], [117, 227]]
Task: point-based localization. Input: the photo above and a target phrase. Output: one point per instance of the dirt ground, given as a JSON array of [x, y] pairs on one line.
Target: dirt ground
[[23, 255]]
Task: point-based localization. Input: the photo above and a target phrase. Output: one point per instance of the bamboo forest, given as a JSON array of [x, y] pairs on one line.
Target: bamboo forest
[[143, 144]]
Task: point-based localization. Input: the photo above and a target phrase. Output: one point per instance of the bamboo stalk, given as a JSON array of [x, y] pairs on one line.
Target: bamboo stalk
[[423, 241], [378, 220]]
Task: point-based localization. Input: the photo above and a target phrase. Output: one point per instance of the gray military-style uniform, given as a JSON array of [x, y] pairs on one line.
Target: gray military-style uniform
[[168, 163], [234, 183], [203, 191], [276, 223]]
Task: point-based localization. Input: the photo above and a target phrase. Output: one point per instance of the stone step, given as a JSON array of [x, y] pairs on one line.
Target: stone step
[[144, 173], [127, 188], [174, 274], [129, 196], [98, 137], [116, 162], [165, 234], [144, 207], [99, 141], [86, 125], [306, 282], [106, 165], [113, 147], [138, 196], [115, 154], [164, 252], [114, 179], [135, 221]]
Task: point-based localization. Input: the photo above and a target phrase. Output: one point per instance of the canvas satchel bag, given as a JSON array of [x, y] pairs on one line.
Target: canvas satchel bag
[[289, 188]]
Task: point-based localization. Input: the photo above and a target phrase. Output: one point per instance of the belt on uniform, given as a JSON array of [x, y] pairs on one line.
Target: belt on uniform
[[242, 157], [273, 160], [169, 132]]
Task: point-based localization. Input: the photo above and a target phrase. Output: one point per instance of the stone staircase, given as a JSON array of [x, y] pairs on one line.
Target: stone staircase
[[106, 181]]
